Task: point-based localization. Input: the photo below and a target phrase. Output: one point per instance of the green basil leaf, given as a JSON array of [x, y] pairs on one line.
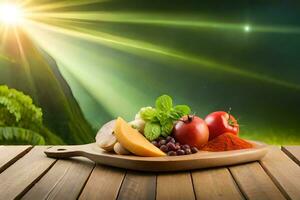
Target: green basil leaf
[[167, 128], [152, 131], [162, 116], [182, 110], [148, 114], [175, 115], [164, 103]]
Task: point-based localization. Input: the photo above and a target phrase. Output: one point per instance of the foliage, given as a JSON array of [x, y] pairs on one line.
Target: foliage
[[152, 130], [159, 120], [18, 110], [21, 121], [14, 135]]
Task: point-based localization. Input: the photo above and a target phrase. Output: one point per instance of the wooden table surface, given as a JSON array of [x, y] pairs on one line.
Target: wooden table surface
[[26, 173]]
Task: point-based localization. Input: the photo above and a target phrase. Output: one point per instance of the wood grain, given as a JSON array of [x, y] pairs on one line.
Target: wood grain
[[283, 171], [175, 186], [254, 182], [104, 183], [138, 185], [25, 172], [216, 184], [10, 154], [293, 152], [33, 176], [63, 181]]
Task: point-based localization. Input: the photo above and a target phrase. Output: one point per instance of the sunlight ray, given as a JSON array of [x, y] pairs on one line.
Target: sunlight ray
[[105, 87], [3, 38], [24, 61], [163, 20], [3, 41], [139, 47], [63, 4], [24, 2], [109, 86]]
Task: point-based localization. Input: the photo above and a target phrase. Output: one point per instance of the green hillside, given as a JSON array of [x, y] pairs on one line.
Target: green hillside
[[36, 74]]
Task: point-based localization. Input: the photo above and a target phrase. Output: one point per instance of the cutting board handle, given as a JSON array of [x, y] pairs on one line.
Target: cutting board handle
[[69, 151]]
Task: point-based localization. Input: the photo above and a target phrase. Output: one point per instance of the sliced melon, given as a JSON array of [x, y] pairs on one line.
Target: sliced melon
[[134, 141]]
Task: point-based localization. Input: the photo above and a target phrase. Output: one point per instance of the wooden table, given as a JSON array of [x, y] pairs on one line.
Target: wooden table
[[26, 173]]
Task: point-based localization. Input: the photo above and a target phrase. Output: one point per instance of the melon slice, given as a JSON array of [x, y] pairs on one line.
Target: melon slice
[[134, 141]]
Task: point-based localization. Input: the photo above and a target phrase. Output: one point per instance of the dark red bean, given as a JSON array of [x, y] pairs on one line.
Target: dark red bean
[[172, 140], [186, 146], [164, 148], [168, 138], [180, 152], [172, 153], [177, 147], [161, 142], [194, 149], [171, 146], [155, 143], [187, 151]]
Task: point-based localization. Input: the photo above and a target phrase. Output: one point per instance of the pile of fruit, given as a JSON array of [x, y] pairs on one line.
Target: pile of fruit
[[167, 130]]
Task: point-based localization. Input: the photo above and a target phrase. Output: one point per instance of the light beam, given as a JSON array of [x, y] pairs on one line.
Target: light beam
[[140, 47]]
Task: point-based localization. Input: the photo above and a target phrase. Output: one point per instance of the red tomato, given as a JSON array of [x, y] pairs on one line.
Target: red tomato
[[220, 122], [191, 130]]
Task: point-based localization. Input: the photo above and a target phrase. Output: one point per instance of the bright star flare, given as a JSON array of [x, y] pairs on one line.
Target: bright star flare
[[247, 28]]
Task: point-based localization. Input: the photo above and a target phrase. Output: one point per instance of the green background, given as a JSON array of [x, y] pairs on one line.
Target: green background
[[119, 55]]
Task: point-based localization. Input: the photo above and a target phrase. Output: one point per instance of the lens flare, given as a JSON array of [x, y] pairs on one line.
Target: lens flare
[[247, 28]]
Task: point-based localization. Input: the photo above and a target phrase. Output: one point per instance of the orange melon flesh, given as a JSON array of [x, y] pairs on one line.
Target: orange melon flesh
[[134, 141]]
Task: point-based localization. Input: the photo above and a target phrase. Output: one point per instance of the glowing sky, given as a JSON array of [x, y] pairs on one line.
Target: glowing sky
[[122, 52]]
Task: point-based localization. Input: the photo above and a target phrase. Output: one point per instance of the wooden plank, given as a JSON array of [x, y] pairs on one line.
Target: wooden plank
[[293, 152], [138, 185], [215, 184], [254, 182], [64, 180], [284, 172], [10, 154], [25, 172], [104, 183], [175, 186]]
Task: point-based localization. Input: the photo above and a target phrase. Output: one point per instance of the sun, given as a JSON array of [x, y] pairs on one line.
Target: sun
[[11, 14]]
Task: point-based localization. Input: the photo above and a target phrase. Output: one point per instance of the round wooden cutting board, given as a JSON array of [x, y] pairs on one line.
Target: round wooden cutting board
[[202, 159]]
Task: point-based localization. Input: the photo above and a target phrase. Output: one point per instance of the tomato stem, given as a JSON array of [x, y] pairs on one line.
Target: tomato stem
[[230, 121], [190, 118], [229, 111]]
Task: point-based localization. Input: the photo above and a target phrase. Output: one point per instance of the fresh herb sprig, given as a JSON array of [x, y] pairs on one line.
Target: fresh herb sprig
[[160, 120]]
